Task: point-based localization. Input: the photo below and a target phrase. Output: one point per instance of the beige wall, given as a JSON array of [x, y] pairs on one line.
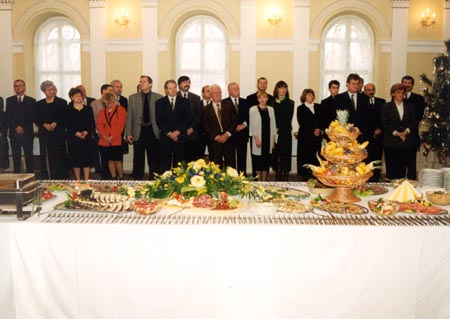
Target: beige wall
[[127, 66]]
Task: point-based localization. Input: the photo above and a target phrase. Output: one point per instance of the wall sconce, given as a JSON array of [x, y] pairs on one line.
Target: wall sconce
[[275, 19], [428, 19], [122, 18]]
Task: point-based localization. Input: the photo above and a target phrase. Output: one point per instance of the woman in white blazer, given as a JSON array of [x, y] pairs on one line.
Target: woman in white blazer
[[263, 131]]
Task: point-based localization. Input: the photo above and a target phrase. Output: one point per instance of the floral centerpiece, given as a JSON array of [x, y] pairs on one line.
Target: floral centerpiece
[[197, 178]]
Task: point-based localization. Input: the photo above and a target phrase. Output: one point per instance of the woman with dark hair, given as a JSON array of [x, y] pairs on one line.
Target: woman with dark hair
[[400, 138], [263, 132], [110, 125], [51, 119], [309, 139], [284, 112], [80, 130]]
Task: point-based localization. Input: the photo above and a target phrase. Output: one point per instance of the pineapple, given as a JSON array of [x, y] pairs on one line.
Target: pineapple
[[342, 117]]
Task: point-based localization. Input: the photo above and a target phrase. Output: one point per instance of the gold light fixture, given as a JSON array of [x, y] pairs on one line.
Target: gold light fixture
[[122, 18], [428, 19], [275, 19]]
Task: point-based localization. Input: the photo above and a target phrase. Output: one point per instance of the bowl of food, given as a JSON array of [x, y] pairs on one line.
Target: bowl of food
[[316, 187], [263, 208], [439, 198], [383, 207]]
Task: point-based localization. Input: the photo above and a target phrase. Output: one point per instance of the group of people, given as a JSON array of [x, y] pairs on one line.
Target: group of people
[[182, 126], [390, 127]]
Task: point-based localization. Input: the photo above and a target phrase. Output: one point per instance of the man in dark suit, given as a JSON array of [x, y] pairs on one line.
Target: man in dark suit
[[117, 89], [173, 116], [87, 100], [20, 113], [219, 121], [418, 104], [142, 130], [240, 136], [4, 157], [375, 147], [194, 142], [261, 85], [357, 104], [327, 111]]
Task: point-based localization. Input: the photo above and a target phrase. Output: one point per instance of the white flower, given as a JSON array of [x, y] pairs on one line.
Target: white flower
[[197, 166], [166, 174], [232, 172], [198, 181]]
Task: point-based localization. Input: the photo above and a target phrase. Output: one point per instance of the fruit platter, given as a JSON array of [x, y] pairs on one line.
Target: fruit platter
[[343, 168], [329, 206]]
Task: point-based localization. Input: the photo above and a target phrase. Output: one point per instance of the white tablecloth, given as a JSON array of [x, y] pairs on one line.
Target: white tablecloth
[[223, 271]]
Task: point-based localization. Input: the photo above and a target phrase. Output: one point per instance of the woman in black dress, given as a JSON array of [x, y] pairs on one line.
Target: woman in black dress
[[263, 133], [400, 139], [51, 119], [309, 138], [284, 112], [80, 130]]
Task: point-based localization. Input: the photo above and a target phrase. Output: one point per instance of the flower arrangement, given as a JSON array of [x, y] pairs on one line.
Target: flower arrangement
[[197, 178]]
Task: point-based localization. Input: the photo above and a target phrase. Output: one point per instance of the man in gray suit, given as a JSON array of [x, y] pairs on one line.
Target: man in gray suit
[[142, 130]]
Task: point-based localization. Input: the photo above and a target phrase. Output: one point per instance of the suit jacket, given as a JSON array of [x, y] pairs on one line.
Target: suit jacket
[[3, 120], [360, 117], [418, 104], [255, 128], [242, 115], [20, 114], [136, 113], [210, 121], [89, 100], [196, 107], [375, 114], [327, 112], [56, 112], [169, 120], [123, 102], [390, 119]]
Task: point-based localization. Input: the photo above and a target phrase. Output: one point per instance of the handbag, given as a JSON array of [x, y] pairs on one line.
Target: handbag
[[125, 147]]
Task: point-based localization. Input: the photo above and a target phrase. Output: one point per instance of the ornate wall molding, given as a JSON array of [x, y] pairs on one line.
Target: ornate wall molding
[[370, 13], [38, 9], [186, 9], [400, 3]]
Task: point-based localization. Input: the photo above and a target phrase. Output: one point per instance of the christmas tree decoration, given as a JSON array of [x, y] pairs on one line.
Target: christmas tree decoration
[[437, 110]]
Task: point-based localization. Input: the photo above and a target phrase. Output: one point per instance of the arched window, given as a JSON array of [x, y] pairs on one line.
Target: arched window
[[57, 55], [202, 52], [347, 48]]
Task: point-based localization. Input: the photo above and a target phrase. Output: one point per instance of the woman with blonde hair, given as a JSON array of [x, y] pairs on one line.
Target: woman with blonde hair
[[263, 131], [110, 125]]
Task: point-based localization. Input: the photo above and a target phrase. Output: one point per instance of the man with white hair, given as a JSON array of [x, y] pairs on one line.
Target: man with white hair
[[219, 122]]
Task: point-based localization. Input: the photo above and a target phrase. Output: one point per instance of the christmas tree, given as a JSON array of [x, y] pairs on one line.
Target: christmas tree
[[437, 111]]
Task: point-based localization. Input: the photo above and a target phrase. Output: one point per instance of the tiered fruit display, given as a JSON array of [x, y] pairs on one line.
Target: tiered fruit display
[[343, 168]]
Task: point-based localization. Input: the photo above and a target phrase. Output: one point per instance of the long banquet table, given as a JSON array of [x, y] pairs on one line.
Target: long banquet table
[[223, 269]]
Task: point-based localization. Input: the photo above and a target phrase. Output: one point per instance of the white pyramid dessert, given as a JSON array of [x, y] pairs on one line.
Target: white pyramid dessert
[[404, 193]]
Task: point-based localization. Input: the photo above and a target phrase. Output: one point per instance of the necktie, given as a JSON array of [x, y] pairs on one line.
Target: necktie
[[20, 99], [353, 102], [372, 101], [171, 104], [146, 109], [236, 106], [219, 114], [185, 95]]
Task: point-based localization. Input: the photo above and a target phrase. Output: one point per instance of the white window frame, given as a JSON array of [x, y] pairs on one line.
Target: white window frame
[[366, 74], [57, 76], [196, 84]]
